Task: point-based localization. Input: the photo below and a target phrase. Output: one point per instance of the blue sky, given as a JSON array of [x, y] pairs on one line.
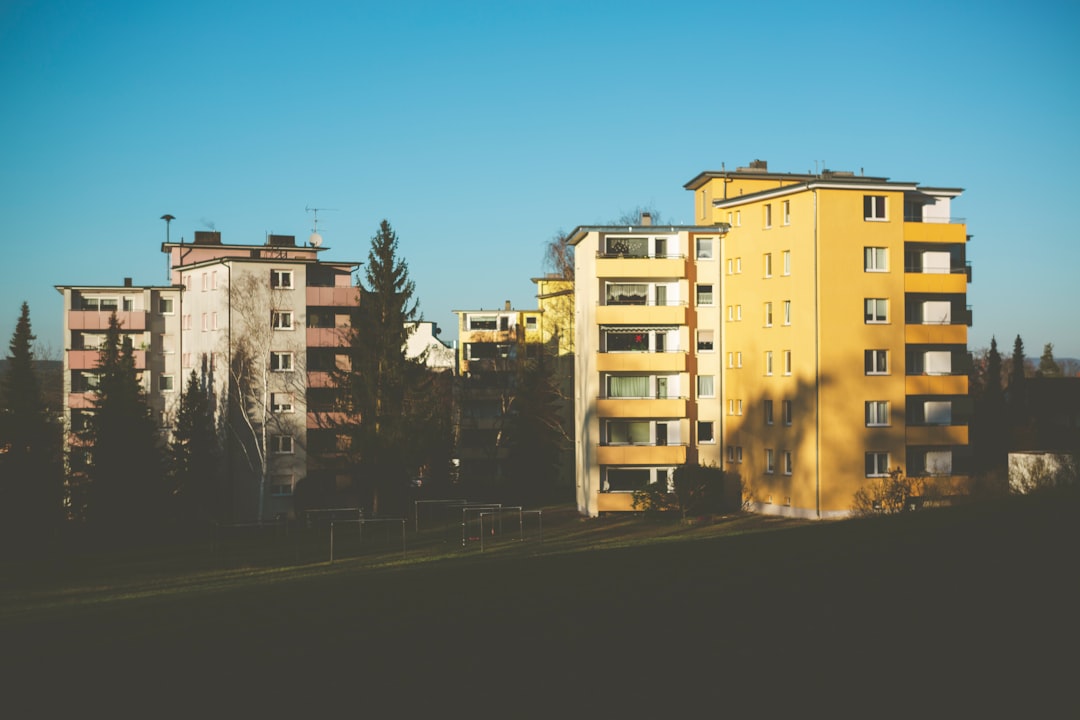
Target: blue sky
[[479, 129]]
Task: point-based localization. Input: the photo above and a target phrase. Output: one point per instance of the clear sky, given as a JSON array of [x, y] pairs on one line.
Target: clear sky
[[479, 129]]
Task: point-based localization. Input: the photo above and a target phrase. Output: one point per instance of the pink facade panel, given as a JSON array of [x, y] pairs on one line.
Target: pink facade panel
[[88, 359], [331, 296], [326, 337], [134, 321]]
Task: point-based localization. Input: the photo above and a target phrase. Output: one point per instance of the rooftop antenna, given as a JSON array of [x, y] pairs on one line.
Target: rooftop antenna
[[316, 239], [168, 220]]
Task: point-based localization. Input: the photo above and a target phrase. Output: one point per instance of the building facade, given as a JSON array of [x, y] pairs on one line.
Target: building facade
[[808, 334], [263, 325]]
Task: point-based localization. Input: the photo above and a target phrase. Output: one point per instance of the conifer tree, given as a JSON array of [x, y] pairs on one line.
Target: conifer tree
[[30, 468], [376, 382], [195, 456], [1047, 366], [126, 484]]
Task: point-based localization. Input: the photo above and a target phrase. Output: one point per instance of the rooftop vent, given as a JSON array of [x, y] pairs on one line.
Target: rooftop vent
[[756, 166], [207, 237], [281, 240]]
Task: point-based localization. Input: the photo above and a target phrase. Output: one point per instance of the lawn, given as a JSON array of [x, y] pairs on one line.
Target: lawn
[[955, 611]]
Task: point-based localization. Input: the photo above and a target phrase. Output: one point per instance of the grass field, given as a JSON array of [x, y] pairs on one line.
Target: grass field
[[961, 611]]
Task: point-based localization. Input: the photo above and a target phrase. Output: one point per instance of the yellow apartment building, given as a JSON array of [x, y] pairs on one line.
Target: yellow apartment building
[[813, 327]]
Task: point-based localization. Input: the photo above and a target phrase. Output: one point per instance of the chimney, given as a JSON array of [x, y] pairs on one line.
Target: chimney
[[507, 304], [207, 237], [127, 282], [646, 219]]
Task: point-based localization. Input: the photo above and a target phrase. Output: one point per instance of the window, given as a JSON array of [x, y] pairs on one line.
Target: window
[[626, 294], [165, 306], [704, 248], [205, 282], [628, 386], [877, 413], [482, 322], [281, 485], [787, 362], [787, 312], [770, 461], [877, 310], [731, 359], [281, 361], [730, 312], [213, 279], [530, 322], [628, 246], [738, 358], [787, 462], [165, 383], [705, 340], [877, 464], [874, 207], [705, 432], [768, 314], [738, 265], [785, 408], [730, 266], [706, 386], [731, 406], [738, 312], [875, 259], [637, 341], [281, 444], [281, 279], [876, 362], [738, 407], [768, 412], [281, 402], [768, 362], [787, 212], [738, 453], [627, 479], [705, 295], [282, 319], [768, 215], [731, 453], [213, 321], [625, 432], [767, 263], [205, 322], [738, 218]]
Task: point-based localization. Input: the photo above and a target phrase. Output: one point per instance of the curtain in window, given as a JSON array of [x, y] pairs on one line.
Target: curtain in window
[[627, 294], [705, 385], [628, 386]]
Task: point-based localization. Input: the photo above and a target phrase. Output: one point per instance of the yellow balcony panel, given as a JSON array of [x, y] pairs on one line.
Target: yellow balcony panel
[[641, 407], [935, 282], [615, 502], [937, 435], [641, 454], [935, 232], [935, 334], [616, 267], [332, 296], [641, 315], [936, 385], [641, 362]]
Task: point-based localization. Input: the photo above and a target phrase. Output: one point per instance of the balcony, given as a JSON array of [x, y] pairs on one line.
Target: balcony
[[615, 502], [89, 359], [130, 321], [668, 362], [641, 407], [954, 281], [81, 400], [641, 454], [614, 266], [327, 337], [346, 296], [937, 435], [641, 314], [936, 385], [951, 231]]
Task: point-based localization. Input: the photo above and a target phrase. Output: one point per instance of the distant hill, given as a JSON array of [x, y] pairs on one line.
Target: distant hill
[[51, 375]]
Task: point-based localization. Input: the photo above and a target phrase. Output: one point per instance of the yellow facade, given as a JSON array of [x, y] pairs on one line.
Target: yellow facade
[[826, 325]]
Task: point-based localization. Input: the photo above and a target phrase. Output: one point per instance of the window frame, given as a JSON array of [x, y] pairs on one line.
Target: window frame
[[872, 317], [770, 461], [768, 410], [710, 300], [871, 362], [875, 259], [282, 279], [282, 361], [282, 445], [282, 402], [766, 260], [873, 458], [711, 392], [278, 319], [875, 208], [703, 248], [786, 412], [711, 435], [700, 341], [877, 413]]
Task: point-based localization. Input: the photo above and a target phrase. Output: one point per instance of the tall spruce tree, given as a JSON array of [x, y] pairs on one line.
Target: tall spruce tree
[[989, 430], [195, 456], [377, 381], [127, 490], [30, 467]]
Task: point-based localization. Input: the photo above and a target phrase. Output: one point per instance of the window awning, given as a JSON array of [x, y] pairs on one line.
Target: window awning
[[637, 328]]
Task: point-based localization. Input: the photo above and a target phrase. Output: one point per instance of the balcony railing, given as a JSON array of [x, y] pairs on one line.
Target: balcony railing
[[934, 220], [632, 256]]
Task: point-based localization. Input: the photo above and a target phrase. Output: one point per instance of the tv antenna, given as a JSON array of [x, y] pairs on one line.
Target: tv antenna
[[316, 239]]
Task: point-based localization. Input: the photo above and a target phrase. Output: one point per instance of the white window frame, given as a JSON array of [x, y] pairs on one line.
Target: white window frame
[[712, 432], [705, 336], [872, 359], [875, 208], [787, 212], [786, 412], [281, 279], [710, 382], [768, 314], [738, 312], [165, 306], [877, 413], [704, 248], [788, 463], [767, 264], [281, 319], [710, 301], [875, 259], [787, 262], [281, 361], [166, 383], [768, 362], [877, 313], [770, 461], [282, 402], [730, 266], [768, 409], [768, 215], [874, 465], [787, 312], [282, 445], [787, 362], [738, 358]]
